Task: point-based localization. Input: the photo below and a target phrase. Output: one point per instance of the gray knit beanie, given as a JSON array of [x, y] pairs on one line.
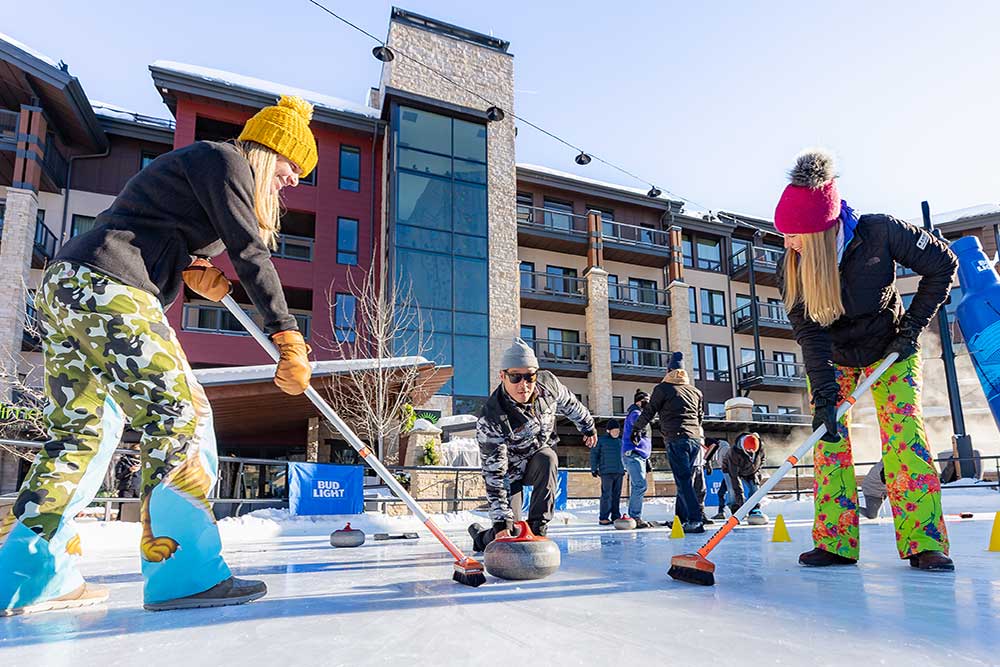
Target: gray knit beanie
[[519, 355]]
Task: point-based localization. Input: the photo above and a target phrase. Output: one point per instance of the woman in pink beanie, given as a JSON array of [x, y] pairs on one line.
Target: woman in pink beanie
[[840, 293]]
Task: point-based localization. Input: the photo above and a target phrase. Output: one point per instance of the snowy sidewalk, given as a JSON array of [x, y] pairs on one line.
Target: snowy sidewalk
[[395, 603]]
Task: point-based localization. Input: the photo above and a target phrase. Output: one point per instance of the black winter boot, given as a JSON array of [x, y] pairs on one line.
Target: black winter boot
[[932, 561], [823, 558]]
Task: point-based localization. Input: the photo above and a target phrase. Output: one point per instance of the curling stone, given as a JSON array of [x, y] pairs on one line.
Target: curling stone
[[625, 523], [347, 537], [757, 519], [525, 556]]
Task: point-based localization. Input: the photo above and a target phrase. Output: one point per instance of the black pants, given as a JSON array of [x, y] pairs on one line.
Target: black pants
[[611, 495], [682, 453], [542, 475]]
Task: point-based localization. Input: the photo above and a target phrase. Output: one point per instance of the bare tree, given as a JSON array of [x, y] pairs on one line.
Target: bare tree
[[21, 417], [375, 401]]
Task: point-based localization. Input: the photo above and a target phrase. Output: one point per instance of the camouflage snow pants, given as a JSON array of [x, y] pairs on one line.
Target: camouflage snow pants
[[110, 355], [911, 479]]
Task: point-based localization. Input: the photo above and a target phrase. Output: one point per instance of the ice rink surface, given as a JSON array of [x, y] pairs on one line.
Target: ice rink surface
[[394, 602]]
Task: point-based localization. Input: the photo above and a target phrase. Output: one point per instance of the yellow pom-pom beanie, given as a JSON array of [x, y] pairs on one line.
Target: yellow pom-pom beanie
[[284, 128]]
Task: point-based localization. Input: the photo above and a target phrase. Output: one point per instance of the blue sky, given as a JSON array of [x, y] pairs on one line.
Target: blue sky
[[710, 102]]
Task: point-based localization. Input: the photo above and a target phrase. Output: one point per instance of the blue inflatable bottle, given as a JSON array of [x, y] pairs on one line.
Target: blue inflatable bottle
[[979, 315]]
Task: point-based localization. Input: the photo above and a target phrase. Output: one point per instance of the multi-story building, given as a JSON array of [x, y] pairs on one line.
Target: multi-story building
[[604, 280]]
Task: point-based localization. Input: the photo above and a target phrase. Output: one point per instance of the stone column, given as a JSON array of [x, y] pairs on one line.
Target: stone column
[[15, 258], [679, 324], [599, 337], [312, 440]]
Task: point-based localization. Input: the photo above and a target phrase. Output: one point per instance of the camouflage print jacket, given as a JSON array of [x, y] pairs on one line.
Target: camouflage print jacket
[[509, 434]]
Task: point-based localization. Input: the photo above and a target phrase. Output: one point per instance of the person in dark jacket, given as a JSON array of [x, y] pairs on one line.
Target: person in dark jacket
[[681, 408], [839, 279], [741, 465], [516, 432], [606, 463], [635, 456], [715, 453], [111, 355]]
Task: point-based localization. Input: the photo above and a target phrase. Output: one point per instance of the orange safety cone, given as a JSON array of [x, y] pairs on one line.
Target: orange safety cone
[[780, 531], [995, 535], [677, 530]]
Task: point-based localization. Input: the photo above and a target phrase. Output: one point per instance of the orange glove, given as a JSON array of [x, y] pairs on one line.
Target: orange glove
[[205, 280], [293, 371]]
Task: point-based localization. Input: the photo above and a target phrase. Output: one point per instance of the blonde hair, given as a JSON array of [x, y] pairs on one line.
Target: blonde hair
[[266, 200], [813, 277]]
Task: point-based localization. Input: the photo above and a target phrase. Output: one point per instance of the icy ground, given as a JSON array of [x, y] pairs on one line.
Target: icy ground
[[394, 602]]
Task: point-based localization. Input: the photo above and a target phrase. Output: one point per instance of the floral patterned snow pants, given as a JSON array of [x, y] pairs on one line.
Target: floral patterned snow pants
[[110, 355], [910, 476]]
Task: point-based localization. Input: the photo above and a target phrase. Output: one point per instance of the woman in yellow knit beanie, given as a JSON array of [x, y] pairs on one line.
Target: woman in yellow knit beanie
[[111, 356]]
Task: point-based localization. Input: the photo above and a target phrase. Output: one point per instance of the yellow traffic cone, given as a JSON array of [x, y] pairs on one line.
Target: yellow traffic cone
[[677, 530], [780, 531], [995, 535]]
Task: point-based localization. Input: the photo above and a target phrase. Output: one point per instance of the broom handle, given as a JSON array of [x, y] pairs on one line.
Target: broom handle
[[790, 462], [338, 423]]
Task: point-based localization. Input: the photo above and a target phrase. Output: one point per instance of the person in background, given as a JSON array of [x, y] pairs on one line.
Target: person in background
[[716, 451], [742, 466], [606, 463], [636, 455], [873, 489], [681, 409]]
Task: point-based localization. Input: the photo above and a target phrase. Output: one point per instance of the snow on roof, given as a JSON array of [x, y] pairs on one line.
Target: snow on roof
[[959, 214], [30, 51], [107, 110], [261, 85], [236, 374]]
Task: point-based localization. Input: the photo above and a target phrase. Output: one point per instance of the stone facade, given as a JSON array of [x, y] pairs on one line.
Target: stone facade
[[15, 258], [599, 337], [679, 324], [490, 73]]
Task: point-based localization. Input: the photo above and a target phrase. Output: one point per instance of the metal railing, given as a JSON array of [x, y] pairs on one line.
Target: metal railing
[[769, 418], [763, 258], [792, 373], [639, 296], [630, 357], [767, 313], [537, 282], [45, 240], [55, 163], [552, 219], [621, 232], [557, 351], [294, 247], [207, 318]]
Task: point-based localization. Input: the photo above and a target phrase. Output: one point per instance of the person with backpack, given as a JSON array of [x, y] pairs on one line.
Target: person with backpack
[[636, 455]]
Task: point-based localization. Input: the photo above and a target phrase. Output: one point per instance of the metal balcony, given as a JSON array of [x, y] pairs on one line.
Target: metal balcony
[[771, 375], [638, 365], [639, 304], [765, 265], [551, 229], [634, 244], [547, 291], [772, 320], [562, 358]]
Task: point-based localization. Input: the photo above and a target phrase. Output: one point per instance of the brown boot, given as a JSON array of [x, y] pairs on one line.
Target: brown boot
[[823, 558], [933, 561], [84, 596]]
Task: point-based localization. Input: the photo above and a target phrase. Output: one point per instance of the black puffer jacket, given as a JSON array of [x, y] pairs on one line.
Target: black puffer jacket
[[680, 407], [873, 310]]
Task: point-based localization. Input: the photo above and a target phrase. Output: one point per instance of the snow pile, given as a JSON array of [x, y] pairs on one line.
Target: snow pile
[[108, 110], [260, 85], [460, 452], [30, 51]]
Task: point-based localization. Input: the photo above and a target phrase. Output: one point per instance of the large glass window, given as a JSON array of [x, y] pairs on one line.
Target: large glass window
[[693, 304], [713, 307], [716, 363], [687, 250], [344, 317], [561, 280], [441, 213], [81, 224], [709, 254], [618, 355], [347, 241], [696, 361], [350, 168], [558, 215], [525, 211], [527, 280], [564, 344], [528, 332]]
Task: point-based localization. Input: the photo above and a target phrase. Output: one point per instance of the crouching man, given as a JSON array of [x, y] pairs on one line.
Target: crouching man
[[516, 434]]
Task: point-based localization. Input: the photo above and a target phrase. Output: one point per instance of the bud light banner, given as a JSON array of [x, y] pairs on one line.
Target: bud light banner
[[562, 491], [323, 488]]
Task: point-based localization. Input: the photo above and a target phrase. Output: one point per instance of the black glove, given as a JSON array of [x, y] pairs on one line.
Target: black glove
[[594, 474], [906, 343], [507, 525], [825, 412]]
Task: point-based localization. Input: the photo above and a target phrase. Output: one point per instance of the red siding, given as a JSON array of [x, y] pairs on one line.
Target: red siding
[[326, 201]]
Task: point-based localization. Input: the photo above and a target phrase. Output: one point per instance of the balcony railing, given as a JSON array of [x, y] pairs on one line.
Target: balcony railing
[[763, 258], [552, 219], [639, 296], [45, 240], [557, 351], [8, 124], [31, 334], [647, 360], [205, 318], [767, 313], [294, 247], [55, 164], [537, 282], [785, 373], [770, 417], [620, 232]]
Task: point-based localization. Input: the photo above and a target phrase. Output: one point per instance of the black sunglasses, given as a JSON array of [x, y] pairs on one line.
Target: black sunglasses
[[517, 377]]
